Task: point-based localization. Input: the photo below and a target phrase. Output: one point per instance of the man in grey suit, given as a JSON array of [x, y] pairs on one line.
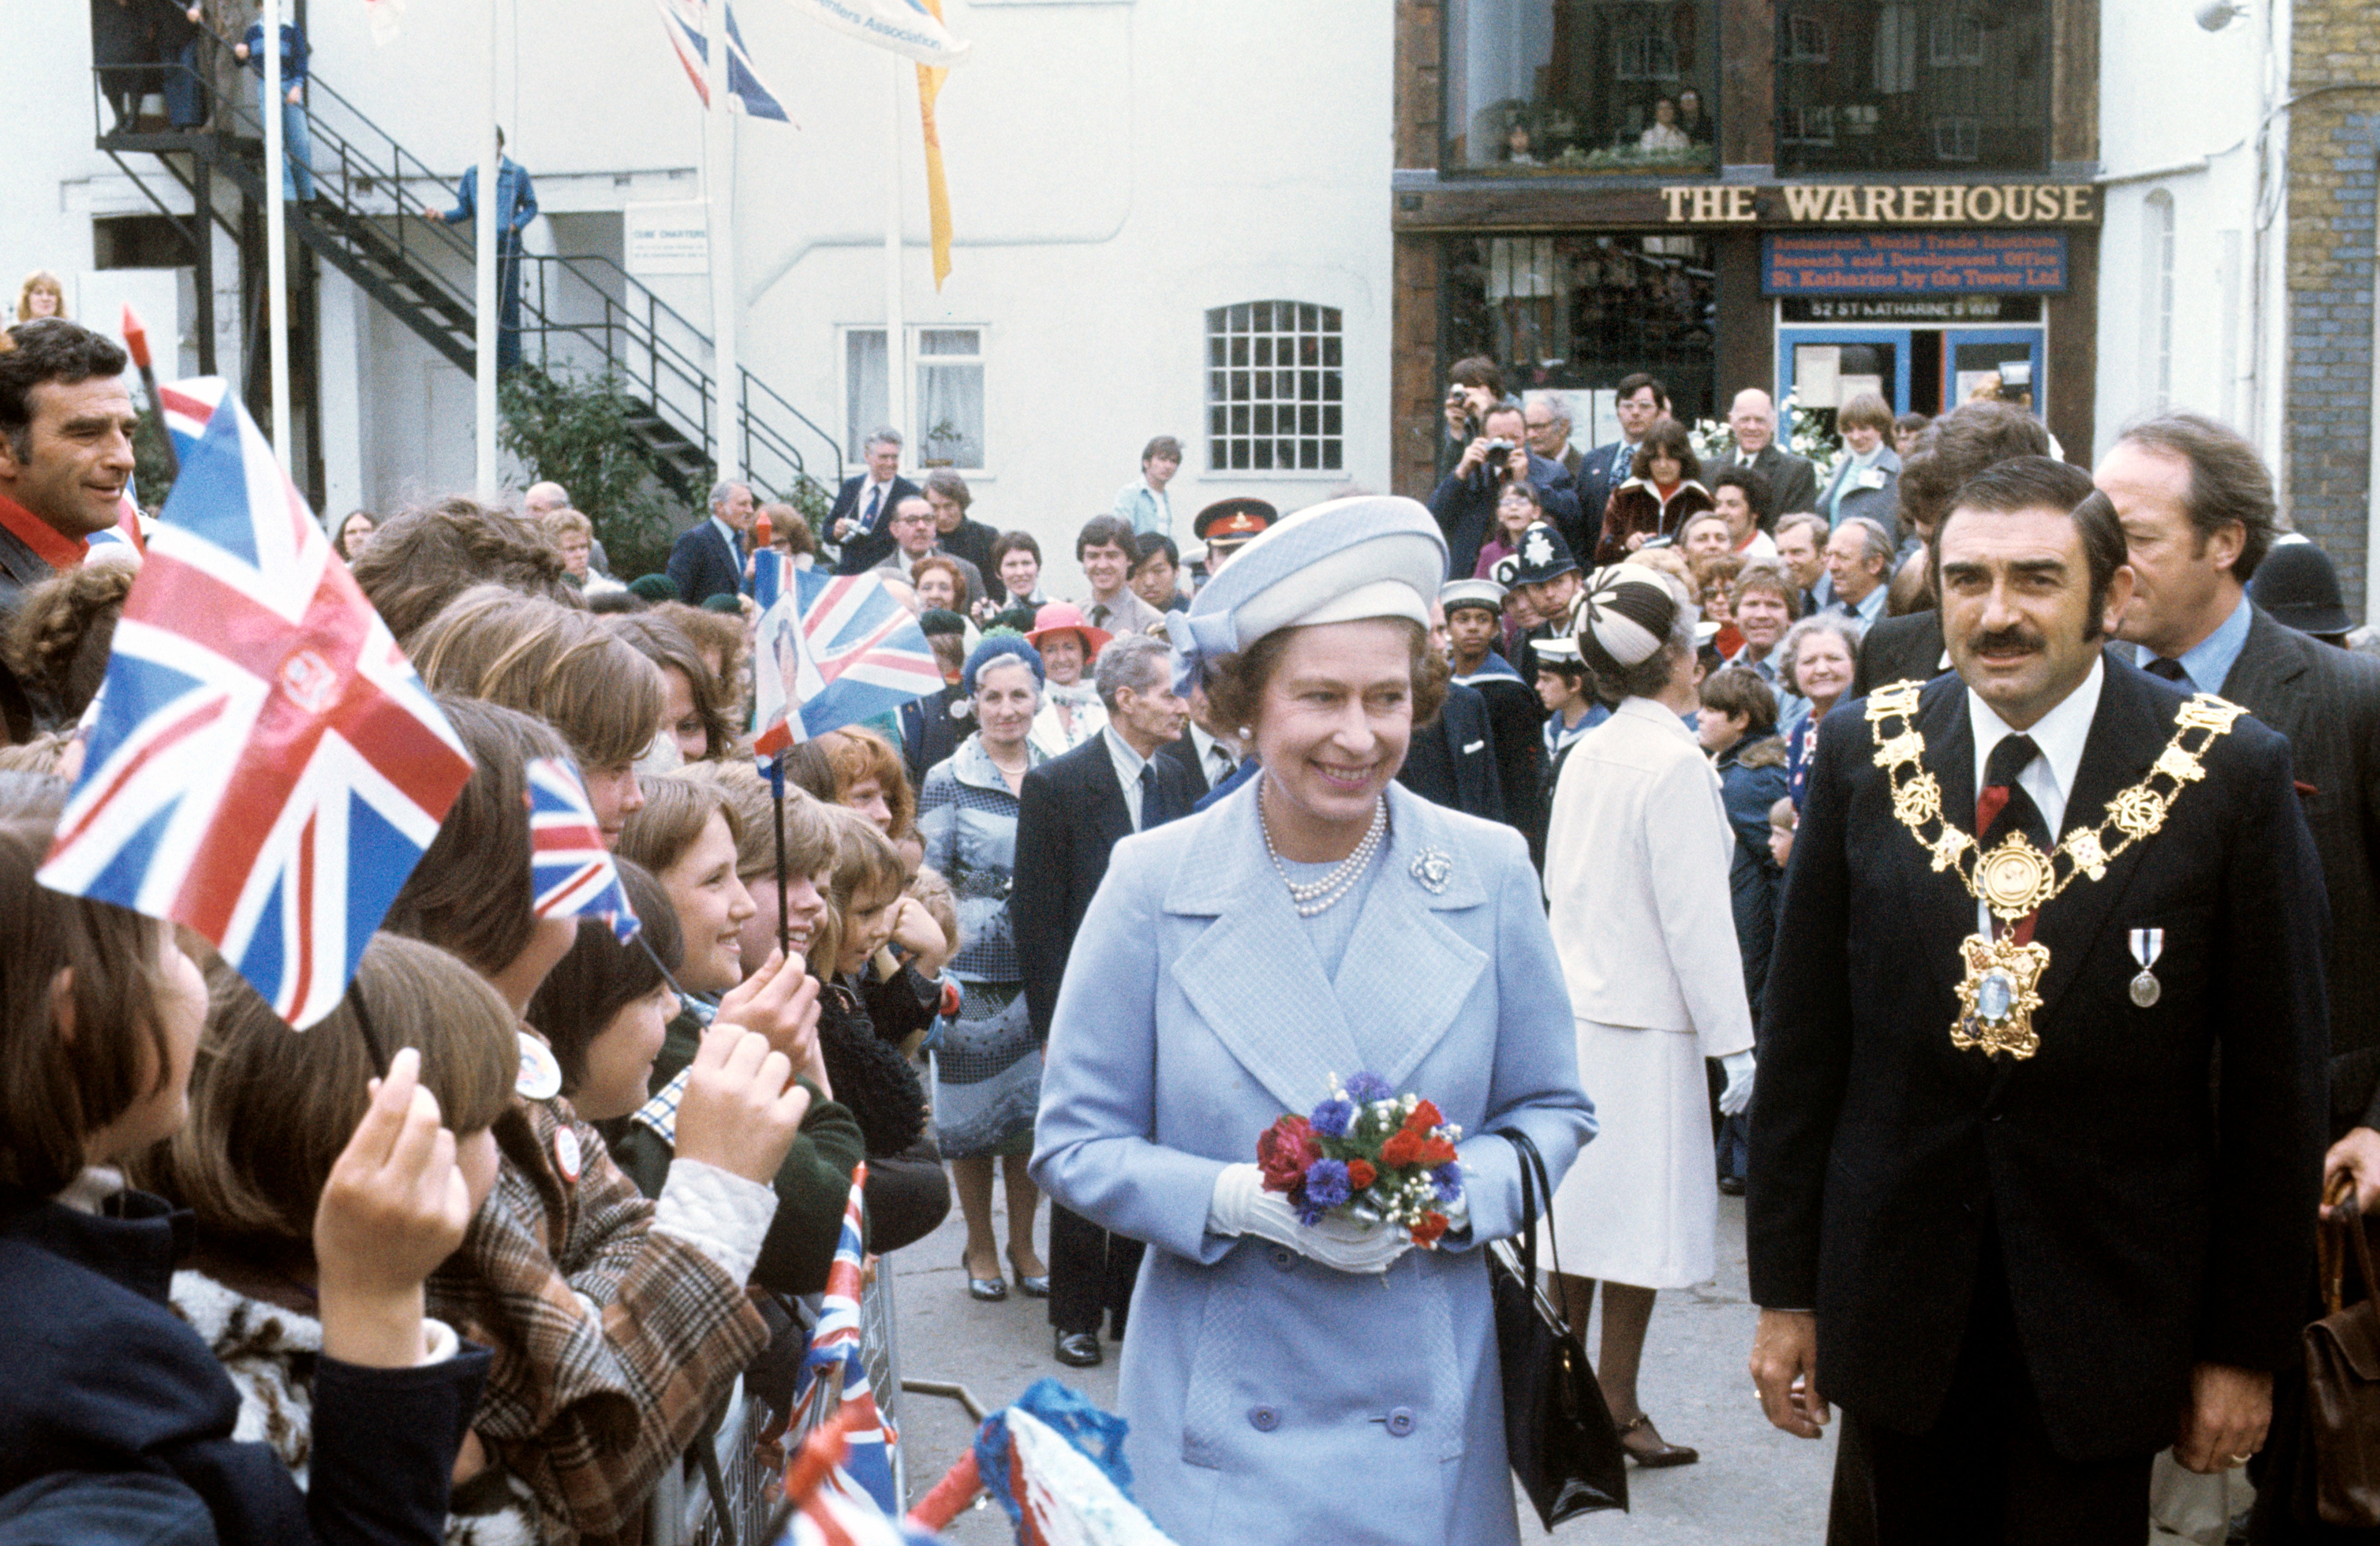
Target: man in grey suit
[[1545, 418], [1793, 481]]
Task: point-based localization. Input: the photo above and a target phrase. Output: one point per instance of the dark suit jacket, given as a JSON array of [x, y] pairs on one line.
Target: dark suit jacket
[[1249, 767], [2147, 1222], [930, 731], [864, 550], [1182, 752], [1070, 816], [1451, 760], [1596, 479], [1793, 481], [1465, 508], [1907, 648], [2326, 700], [971, 540], [703, 565]]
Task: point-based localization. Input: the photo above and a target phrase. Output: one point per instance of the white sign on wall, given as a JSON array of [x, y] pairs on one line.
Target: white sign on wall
[[668, 238]]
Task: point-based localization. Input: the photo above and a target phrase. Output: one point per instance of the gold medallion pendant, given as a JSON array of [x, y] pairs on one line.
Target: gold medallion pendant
[[1996, 1000], [2016, 879]]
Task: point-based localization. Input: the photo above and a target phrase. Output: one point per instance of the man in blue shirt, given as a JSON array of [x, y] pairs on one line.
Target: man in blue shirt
[[516, 207]]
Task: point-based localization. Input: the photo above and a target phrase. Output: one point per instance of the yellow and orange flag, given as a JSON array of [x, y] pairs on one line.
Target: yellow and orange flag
[[937, 188]]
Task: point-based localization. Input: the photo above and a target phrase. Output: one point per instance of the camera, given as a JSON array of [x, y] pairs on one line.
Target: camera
[[1498, 459]]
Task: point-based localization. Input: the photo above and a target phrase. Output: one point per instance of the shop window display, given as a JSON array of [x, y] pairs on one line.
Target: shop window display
[[1581, 86], [1582, 310]]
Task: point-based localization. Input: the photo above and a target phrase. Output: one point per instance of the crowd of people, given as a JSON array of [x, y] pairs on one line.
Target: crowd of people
[[1541, 800]]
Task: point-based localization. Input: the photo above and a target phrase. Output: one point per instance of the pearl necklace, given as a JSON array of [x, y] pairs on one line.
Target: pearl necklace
[[1312, 898]]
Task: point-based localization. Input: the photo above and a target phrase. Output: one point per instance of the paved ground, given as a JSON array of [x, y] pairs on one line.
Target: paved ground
[[1753, 1485]]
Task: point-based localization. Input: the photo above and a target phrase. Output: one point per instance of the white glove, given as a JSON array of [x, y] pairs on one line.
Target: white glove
[[1738, 1093], [1242, 1206]]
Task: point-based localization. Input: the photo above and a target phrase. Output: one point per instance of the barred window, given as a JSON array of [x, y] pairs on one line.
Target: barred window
[[1273, 380]]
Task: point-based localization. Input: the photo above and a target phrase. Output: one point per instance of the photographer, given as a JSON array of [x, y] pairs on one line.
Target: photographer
[[1465, 503]]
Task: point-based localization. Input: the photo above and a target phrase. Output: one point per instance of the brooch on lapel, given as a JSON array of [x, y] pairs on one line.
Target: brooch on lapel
[[1432, 867]]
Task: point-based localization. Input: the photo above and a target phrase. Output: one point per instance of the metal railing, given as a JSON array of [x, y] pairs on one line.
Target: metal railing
[[580, 313]]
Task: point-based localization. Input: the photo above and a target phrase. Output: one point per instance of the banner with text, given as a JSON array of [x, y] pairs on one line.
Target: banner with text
[[1914, 262]]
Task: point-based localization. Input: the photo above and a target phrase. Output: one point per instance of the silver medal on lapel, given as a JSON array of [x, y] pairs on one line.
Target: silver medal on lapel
[[2147, 946], [1433, 867]]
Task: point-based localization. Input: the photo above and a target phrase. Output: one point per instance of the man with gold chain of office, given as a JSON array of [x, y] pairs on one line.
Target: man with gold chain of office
[[2002, 1208]]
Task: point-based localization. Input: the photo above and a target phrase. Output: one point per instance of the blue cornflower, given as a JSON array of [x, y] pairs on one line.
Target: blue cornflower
[[1326, 1182], [1331, 1118], [1447, 1181], [1364, 1088]]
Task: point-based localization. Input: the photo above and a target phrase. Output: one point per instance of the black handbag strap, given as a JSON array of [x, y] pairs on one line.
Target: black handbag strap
[[1535, 1202]]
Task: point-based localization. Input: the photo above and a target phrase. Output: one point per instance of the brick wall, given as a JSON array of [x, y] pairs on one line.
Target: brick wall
[[2334, 153]]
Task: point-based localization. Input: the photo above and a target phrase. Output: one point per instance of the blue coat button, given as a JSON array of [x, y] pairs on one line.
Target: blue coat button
[[1401, 1422], [1283, 1257], [1264, 1420]]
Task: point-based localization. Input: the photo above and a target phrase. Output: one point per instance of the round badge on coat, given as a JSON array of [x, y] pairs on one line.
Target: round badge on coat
[[541, 1075], [566, 1154]]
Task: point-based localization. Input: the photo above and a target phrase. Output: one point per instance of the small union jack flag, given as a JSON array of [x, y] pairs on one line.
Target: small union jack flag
[[834, 650], [570, 870], [265, 767], [834, 1374]]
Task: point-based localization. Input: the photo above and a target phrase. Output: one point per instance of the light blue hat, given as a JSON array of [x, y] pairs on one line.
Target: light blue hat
[[1374, 555]]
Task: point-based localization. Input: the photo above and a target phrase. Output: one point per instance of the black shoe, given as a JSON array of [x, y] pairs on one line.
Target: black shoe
[[987, 1289], [1031, 1287], [1731, 1185], [1080, 1349]]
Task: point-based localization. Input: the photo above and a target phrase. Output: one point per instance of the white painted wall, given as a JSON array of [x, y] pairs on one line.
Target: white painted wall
[[2179, 114], [1116, 168]]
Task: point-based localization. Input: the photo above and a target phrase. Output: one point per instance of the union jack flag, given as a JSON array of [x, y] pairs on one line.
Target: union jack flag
[[570, 870], [688, 25], [834, 650], [265, 767], [834, 1376]]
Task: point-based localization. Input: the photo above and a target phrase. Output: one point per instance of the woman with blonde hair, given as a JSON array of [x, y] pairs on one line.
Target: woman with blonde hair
[[563, 665], [41, 294]]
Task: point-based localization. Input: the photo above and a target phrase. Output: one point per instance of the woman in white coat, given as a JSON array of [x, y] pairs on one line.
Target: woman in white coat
[[1331, 1383], [1636, 873]]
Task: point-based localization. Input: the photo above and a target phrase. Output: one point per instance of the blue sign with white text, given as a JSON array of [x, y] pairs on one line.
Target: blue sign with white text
[[1913, 264]]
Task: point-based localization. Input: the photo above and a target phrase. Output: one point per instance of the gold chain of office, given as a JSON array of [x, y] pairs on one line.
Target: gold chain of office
[[2015, 878]]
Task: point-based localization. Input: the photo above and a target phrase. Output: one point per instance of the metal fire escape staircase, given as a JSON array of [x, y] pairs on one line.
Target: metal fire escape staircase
[[582, 314]]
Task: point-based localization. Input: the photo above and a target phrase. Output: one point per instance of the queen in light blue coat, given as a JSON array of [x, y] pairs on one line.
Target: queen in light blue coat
[[1285, 1383]]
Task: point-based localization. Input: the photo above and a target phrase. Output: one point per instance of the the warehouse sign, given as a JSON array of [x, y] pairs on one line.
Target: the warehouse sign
[[1874, 264], [1880, 205]]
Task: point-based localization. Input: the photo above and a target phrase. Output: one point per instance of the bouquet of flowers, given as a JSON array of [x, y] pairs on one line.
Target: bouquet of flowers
[[1367, 1154]]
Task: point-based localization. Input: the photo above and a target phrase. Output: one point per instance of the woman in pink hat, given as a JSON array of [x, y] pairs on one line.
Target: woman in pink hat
[[1071, 712]]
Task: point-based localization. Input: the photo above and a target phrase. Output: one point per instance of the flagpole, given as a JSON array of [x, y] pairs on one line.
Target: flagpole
[[484, 290], [719, 168], [276, 232], [777, 793], [896, 333]]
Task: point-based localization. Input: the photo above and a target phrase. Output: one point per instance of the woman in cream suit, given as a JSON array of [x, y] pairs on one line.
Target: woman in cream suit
[[1637, 872], [1331, 1383]]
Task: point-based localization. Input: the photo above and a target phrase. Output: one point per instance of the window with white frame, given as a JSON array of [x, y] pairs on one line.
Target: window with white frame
[[1957, 136], [1274, 388], [1957, 40], [946, 394]]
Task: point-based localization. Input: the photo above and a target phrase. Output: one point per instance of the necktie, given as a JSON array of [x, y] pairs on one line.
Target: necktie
[[875, 498], [1152, 803], [2172, 672], [2001, 806], [1224, 765]]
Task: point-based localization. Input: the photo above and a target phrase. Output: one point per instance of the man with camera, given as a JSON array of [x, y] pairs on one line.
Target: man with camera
[[1465, 503]]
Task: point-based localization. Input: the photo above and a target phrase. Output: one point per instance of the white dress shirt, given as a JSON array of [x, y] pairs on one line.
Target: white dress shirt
[[2048, 778], [1216, 760]]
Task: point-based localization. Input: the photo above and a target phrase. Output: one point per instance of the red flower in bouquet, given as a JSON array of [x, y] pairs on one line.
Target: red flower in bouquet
[[1435, 1152], [1424, 1117], [1426, 1233], [1403, 1149], [1361, 1174], [1283, 1152]]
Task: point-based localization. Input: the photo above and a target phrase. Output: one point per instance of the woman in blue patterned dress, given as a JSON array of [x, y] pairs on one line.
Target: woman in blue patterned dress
[[988, 1070]]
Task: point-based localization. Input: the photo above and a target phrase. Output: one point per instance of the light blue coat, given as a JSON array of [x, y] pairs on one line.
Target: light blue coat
[[1271, 1398]]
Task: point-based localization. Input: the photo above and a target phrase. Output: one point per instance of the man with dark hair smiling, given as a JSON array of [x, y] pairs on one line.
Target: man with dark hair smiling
[[2001, 1208], [66, 454]]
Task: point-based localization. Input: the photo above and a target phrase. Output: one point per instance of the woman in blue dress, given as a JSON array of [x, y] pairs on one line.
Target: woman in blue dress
[[1288, 1383], [987, 1068]]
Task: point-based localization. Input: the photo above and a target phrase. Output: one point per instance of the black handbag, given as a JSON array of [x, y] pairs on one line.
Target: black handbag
[[1558, 1433]]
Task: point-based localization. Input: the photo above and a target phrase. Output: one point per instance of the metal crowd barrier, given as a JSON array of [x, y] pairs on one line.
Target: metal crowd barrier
[[684, 1511]]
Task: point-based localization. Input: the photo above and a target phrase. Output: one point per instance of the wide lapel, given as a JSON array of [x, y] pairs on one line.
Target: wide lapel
[[1406, 972], [2133, 723], [2266, 665], [1943, 910], [1111, 818], [1253, 975]]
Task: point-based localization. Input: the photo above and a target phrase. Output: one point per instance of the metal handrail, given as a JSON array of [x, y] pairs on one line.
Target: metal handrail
[[636, 328]]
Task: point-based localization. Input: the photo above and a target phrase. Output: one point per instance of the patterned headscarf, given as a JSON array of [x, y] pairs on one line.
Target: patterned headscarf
[[1625, 617]]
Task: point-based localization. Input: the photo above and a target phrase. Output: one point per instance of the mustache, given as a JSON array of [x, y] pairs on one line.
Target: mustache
[[2001, 639]]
